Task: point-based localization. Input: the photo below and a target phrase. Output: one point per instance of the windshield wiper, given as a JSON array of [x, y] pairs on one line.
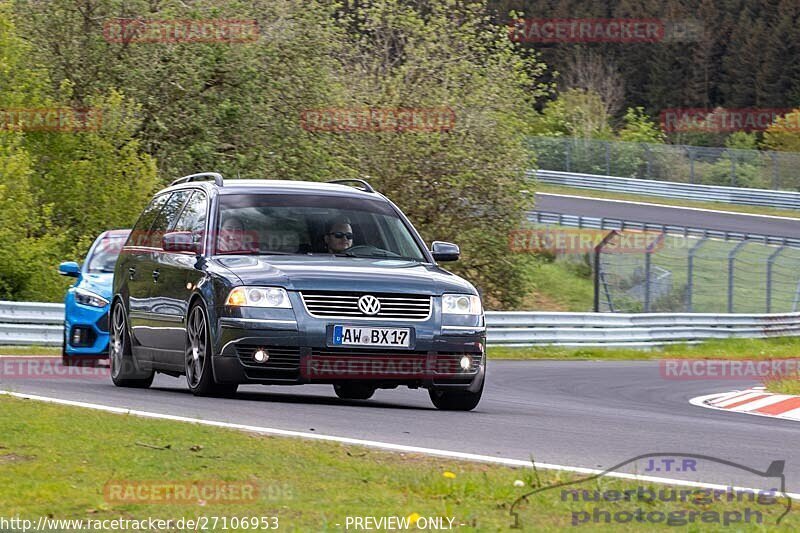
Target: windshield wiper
[[388, 255]]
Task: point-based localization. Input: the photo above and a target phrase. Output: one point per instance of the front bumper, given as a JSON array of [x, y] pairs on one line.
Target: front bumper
[[86, 330], [300, 351]]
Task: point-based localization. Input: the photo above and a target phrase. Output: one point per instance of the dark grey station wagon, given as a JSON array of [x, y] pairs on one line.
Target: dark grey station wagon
[[287, 282]]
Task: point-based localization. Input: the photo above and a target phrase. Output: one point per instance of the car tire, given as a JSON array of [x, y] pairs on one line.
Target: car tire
[[455, 400], [124, 370], [353, 391], [66, 360], [197, 357]]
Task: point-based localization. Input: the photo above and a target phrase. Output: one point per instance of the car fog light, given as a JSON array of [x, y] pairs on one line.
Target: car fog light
[[465, 363], [261, 355]]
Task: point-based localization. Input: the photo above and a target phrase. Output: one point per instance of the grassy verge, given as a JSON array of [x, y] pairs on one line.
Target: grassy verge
[[565, 284], [558, 189], [777, 348], [30, 350], [61, 462], [784, 386], [558, 286]]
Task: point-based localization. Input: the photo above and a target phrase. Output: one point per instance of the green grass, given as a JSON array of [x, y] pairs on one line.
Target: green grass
[[565, 284], [55, 461], [30, 350], [710, 277], [558, 286], [777, 348], [719, 206], [784, 386]]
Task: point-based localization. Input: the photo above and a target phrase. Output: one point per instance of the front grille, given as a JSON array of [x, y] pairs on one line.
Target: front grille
[[378, 364], [358, 352], [345, 305]]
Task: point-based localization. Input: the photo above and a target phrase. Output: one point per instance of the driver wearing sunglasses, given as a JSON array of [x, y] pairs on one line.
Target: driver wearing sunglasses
[[339, 236]]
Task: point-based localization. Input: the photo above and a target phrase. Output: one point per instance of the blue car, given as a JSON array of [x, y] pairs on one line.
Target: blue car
[[87, 302]]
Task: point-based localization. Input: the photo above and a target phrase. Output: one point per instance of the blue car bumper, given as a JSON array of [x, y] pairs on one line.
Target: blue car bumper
[[86, 329]]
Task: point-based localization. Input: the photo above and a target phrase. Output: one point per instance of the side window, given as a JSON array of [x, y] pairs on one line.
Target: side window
[[193, 217], [167, 217], [140, 235]]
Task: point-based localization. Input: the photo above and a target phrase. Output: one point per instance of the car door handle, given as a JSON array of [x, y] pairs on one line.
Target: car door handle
[[155, 276], [131, 272]]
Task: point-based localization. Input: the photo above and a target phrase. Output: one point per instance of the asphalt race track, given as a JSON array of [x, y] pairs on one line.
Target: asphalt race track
[[694, 218], [573, 413]]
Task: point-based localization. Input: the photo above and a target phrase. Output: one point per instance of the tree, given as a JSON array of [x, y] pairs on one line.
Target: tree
[[25, 246], [640, 128], [237, 108], [593, 72], [59, 189], [783, 135], [575, 113], [467, 184]]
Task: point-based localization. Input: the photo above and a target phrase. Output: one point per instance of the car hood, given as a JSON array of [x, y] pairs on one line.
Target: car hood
[[330, 273], [97, 283]]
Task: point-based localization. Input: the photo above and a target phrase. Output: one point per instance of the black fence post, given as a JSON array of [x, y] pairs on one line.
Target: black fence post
[[597, 251]]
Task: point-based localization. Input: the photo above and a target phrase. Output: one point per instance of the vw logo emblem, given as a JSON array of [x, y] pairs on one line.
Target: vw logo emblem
[[369, 305]]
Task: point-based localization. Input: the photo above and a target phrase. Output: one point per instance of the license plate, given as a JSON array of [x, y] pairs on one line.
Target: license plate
[[358, 336]]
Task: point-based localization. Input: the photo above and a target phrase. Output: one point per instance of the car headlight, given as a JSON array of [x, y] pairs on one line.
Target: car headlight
[[84, 297], [461, 304], [274, 297]]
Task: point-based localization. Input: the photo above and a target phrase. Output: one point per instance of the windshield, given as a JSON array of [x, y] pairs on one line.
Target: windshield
[[254, 224], [103, 255]]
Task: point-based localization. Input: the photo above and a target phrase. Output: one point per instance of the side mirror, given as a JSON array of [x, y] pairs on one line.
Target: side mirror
[[445, 251], [180, 241], [69, 268]]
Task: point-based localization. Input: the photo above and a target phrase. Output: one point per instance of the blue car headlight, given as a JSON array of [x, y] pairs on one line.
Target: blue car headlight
[[84, 297]]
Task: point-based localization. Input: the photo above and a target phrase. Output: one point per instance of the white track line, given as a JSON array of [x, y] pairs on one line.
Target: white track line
[[735, 213], [707, 402], [763, 402], [727, 396], [794, 414], [737, 399], [387, 445]]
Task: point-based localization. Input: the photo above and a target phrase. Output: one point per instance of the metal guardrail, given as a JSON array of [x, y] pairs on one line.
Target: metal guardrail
[[668, 189], [631, 329], [708, 165], [580, 221], [30, 323]]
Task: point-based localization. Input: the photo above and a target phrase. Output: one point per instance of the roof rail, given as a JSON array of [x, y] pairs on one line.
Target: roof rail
[[216, 176], [364, 185]]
